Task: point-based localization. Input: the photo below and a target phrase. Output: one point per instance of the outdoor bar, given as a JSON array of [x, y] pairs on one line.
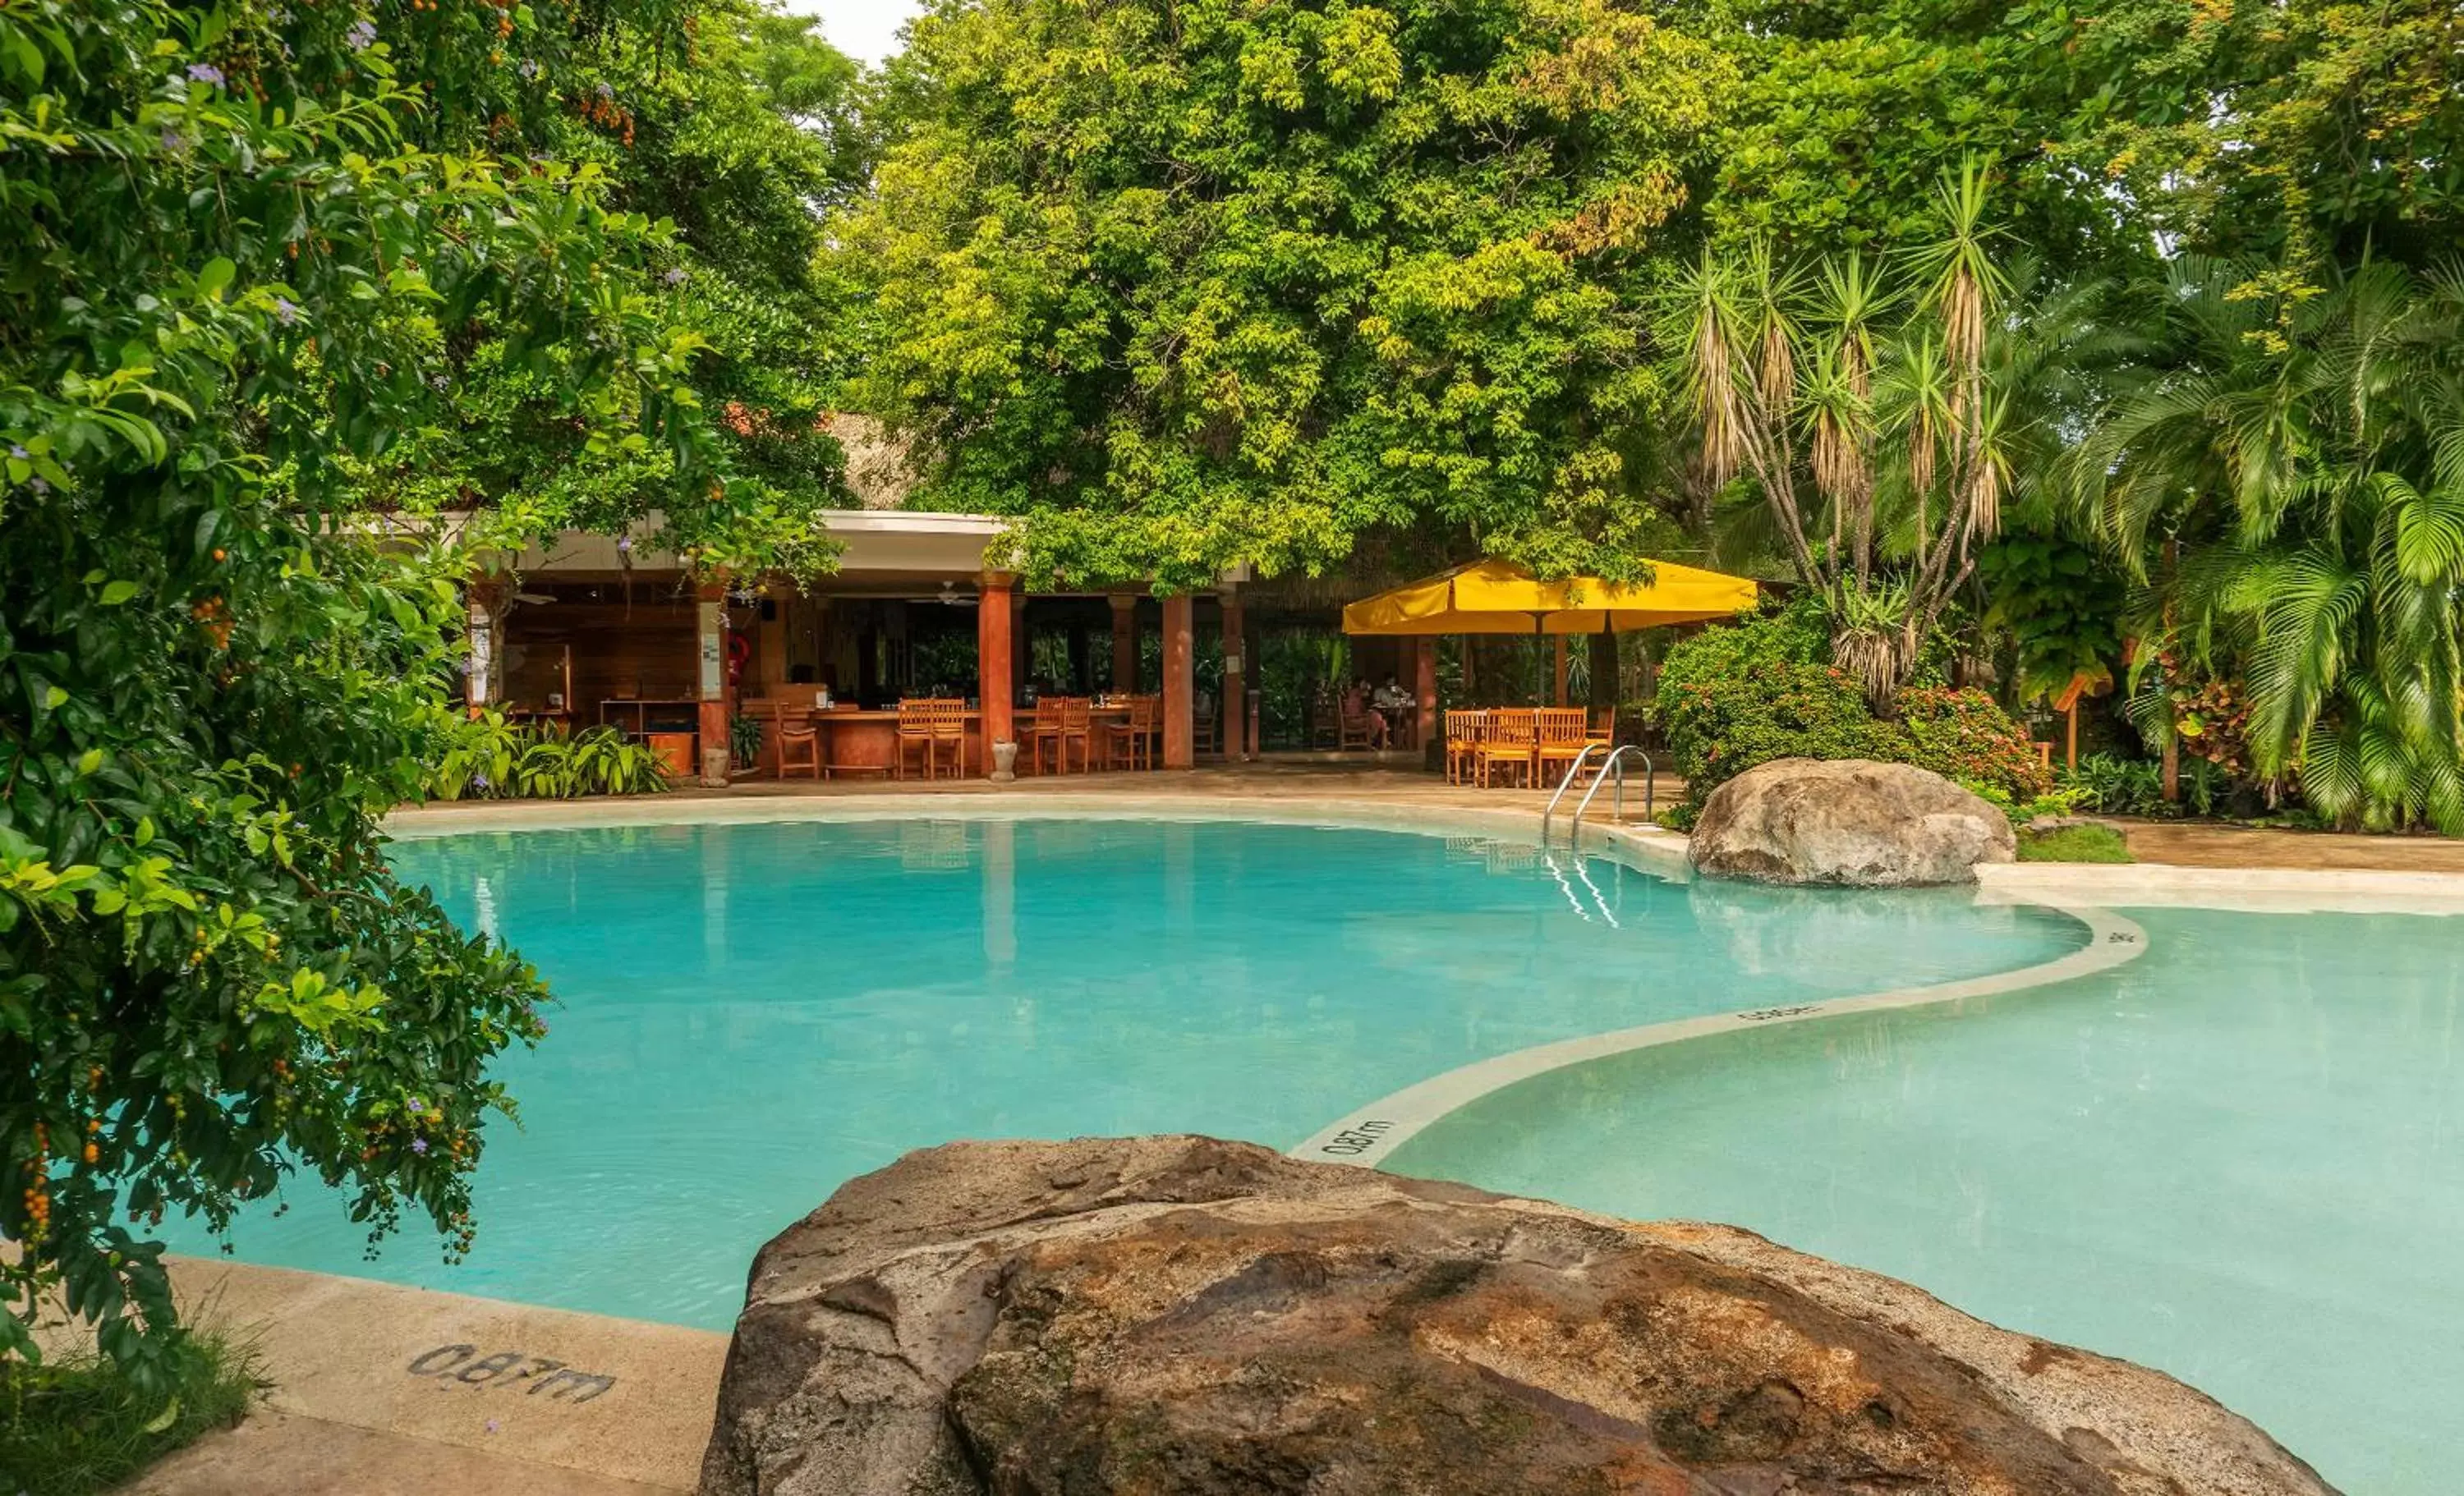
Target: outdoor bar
[[592, 631]]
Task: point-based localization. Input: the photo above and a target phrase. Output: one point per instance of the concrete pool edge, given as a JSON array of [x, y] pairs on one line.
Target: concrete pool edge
[[1366, 1136], [2112, 886], [624, 1399]]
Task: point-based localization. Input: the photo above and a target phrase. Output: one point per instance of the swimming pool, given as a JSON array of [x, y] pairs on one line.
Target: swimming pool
[[752, 1014], [2240, 1159]]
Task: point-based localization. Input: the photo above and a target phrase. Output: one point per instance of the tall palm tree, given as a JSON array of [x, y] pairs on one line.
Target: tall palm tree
[[2288, 480]]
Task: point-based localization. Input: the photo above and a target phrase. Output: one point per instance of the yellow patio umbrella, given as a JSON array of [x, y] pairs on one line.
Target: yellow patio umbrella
[[1495, 596]]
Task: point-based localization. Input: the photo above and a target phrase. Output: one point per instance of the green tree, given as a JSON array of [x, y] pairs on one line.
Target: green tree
[[2288, 479], [737, 135], [248, 255], [1191, 285]]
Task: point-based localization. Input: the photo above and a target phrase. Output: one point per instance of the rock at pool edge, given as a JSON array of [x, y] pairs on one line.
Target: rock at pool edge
[[1848, 821], [1182, 1316]]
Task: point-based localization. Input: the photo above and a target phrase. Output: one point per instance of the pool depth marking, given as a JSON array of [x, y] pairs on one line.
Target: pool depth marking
[[1367, 1137]]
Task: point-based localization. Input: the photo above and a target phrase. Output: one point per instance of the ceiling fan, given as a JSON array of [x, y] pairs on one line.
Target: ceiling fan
[[949, 597]]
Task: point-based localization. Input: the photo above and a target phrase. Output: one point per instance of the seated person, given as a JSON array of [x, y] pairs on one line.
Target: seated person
[[1355, 707]]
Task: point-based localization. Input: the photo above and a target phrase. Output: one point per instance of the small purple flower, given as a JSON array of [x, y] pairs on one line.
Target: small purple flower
[[206, 73], [528, 70], [175, 143], [606, 91], [675, 276], [624, 545], [418, 1103], [19, 453], [284, 312], [419, 1145], [478, 781], [38, 485], [361, 35]]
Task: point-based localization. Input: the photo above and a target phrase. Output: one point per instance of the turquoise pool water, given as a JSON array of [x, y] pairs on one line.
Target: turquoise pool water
[[752, 1014], [2239, 1159]]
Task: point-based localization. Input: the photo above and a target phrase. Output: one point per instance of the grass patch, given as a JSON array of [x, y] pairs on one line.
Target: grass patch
[[75, 1426], [2075, 844]]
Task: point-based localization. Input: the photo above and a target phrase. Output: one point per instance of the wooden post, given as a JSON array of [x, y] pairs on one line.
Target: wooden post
[[2070, 754], [994, 670], [1603, 695], [716, 692], [1234, 700], [1560, 697], [487, 603], [1179, 683], [1424, 692], [1125, 643]]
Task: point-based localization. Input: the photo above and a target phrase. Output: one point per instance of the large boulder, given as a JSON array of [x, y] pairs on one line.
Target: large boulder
[[1180, 1316], [1848, 821]]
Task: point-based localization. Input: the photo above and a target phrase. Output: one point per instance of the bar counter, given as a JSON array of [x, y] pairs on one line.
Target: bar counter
[[856, 740]]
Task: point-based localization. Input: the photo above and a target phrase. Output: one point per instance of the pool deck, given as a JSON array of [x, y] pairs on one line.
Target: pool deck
[[379, 1389]]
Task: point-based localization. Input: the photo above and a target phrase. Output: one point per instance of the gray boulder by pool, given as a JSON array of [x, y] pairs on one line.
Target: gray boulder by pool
[[1851, 822]]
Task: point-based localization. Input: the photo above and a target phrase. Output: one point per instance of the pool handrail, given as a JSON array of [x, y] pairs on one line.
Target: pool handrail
[[1611, 764]]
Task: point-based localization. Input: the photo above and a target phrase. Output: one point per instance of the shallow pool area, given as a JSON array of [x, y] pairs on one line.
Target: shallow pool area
[[2240, 1159], [752, 1014]]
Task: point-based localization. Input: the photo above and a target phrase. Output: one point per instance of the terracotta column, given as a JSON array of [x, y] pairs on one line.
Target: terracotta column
[[1125, 643], [1179, 684], [1236, 678], [717, 697], [1424, 692], [994, 640]]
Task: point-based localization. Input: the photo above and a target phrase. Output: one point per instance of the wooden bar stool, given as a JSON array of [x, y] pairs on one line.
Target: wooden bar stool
[[798, 739], [915, 735]]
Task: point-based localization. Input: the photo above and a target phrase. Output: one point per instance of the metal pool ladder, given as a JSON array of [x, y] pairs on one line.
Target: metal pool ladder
[[1612, 764]]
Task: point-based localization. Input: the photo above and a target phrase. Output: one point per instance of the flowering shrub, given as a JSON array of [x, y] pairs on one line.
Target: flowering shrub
[[1966, 736], [1734, 697]]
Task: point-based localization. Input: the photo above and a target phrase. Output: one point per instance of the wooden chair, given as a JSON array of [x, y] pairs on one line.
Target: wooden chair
[[949, 715], [1078, 726], [1206, 730], [1513, 742], [1354, 731], [915, 735], [1603, 733], [1133, 737], [799, 741], [1465, 732], [1560, 737], [1058, 721], [1324, 729]]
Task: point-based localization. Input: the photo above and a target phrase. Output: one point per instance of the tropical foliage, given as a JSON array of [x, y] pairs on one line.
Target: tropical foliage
[[2288, 482], [1860, 405], [254, 257], [496, 760]]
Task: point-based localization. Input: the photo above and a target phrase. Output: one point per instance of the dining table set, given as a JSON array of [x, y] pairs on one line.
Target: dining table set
[[1518, 746]]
